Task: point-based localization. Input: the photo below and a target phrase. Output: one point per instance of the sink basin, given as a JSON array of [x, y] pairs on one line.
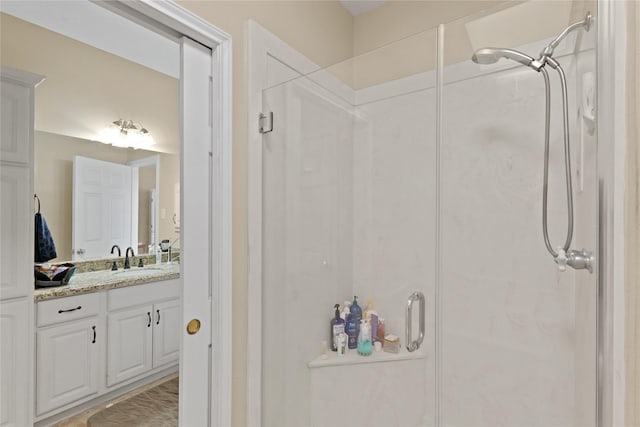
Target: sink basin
[[138, 272]]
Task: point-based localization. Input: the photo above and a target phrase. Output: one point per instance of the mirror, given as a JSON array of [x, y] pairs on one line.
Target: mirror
[[85, 90]]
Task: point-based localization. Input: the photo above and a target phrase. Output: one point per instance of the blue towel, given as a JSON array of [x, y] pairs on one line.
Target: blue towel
[[44, 247]]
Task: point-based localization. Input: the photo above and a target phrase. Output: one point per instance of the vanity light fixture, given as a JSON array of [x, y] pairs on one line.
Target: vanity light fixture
[[127, 133]]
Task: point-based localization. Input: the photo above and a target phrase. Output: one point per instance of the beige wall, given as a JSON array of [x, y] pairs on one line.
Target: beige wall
[[632, 294], [53, 181], [399, 19], [399, 38], [321, 30]]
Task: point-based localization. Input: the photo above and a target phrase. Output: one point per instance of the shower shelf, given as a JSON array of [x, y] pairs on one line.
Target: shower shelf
[[353, 358]]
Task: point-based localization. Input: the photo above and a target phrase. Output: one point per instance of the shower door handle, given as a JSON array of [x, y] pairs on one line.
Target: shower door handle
[[413, 345]]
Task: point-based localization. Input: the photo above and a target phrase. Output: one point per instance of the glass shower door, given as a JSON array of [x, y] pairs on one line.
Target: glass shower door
[[517, 336], [348, 208]]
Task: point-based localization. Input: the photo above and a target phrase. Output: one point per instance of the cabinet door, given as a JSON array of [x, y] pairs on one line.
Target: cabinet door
[[16, 226], [14, 363], [166, 332], [16, 122], [67, 363], [130, 343]]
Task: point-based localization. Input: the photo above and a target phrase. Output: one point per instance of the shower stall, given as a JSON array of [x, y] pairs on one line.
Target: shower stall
[[413, 171]]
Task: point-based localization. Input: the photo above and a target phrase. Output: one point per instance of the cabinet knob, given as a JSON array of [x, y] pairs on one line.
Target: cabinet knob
[[193, 326]]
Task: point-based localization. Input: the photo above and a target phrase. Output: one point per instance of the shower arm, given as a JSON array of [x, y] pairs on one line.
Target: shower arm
[[548, 51]]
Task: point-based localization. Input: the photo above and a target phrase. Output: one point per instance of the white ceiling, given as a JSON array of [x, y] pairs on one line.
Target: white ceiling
[[358, 7]]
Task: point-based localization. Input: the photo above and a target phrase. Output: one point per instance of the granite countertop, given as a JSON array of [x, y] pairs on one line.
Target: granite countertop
[[82, 283]]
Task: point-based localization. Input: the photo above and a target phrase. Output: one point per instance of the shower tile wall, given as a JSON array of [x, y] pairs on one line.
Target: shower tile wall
[[517, 339], [508, 314]]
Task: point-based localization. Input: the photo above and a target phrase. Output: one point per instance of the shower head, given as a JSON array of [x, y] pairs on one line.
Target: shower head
[[489, 55]]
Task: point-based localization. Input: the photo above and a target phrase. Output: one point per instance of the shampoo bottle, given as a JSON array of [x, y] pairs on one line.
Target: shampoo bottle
[[337, 328], [352, 332]]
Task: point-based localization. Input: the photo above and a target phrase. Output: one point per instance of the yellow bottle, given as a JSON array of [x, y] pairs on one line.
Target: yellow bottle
[[368, 311]]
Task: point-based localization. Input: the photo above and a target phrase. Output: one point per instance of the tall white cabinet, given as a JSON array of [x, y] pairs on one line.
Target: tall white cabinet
[[16, 246]]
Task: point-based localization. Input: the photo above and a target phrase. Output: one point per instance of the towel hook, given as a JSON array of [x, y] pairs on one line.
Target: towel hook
[[35, 196]]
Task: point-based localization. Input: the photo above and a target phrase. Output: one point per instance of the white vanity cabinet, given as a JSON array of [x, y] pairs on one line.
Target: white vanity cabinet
[[142, 336], [67, 363], [15, 387], [130, 344], [16, 246], [94, 344], [69, 340], [166, 332]]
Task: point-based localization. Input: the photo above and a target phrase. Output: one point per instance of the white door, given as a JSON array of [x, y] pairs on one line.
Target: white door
[[104, 197], [67, 363], [130, 334], [196, 218], [166, 332]]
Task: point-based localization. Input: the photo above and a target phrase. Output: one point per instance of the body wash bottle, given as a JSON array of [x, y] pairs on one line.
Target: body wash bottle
[[337, 328]]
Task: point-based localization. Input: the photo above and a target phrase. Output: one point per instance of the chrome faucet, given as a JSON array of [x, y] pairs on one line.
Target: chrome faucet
[[114, 266], [126, 257], [170, 250]]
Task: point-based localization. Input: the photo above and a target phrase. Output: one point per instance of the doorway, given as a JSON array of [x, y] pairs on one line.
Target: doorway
[[202, 51]]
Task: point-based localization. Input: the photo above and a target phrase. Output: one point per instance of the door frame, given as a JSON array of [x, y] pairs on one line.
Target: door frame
[[186, 23], [612, 196], [155, 162], [261, 45], [176, 21]]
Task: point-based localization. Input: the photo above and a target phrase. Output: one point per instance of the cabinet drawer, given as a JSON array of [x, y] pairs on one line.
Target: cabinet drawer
[[69, 308], [142, 294]]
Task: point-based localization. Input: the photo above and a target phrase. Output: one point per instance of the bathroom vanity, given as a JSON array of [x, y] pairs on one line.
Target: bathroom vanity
[[104, 331]]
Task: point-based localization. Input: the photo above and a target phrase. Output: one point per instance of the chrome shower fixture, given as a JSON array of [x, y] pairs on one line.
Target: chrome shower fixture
[[490, 55], [562, 255], [585, 23]]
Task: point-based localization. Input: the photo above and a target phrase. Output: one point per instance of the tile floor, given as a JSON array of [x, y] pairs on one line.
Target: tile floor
[[155, 404]]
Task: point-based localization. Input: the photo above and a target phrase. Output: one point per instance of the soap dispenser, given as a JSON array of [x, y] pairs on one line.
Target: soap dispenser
[[336, 328]]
